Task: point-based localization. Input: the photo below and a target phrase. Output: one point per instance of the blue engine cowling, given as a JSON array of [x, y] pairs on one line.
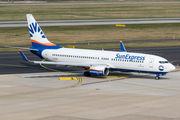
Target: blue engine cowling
[[99, 70]]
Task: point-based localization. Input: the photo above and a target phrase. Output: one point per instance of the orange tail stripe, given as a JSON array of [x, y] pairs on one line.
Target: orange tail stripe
[[46, 44]]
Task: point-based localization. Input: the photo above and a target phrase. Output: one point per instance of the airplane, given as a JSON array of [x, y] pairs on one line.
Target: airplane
[[95, 62]]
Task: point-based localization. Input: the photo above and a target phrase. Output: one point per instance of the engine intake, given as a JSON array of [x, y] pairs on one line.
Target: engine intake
[[99, 70]]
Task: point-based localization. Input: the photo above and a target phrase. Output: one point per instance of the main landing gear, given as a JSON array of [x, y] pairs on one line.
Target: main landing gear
[[157, 77], [87, 73]]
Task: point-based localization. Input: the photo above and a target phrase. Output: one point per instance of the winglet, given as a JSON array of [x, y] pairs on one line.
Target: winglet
[[23, 56], [123, 49]]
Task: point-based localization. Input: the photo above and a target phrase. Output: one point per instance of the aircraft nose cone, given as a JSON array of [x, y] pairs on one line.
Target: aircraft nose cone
[[172, 67]]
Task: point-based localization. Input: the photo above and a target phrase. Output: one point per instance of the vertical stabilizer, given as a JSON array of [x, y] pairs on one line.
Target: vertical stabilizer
[[38, 39], [123, 49]]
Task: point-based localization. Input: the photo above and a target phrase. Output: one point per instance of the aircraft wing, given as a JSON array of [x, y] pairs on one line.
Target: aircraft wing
[[23, 48], [53, 75], [63, 63]]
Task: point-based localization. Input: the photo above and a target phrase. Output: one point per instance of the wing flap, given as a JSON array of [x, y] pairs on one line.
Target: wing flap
[[63, 63], [53, 75]]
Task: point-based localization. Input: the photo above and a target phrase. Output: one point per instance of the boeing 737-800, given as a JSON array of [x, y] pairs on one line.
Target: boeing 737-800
[[95, 62]]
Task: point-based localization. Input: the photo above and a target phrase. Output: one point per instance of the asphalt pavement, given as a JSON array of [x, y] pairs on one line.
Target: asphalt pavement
[[12, 63]]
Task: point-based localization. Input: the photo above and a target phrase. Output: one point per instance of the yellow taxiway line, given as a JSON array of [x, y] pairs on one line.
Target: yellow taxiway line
[[68, 78]]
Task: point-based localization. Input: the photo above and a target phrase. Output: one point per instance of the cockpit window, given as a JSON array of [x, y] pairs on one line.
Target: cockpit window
[[163, 62]]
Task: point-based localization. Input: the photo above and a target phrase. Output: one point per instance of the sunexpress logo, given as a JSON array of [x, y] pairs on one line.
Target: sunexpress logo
[[35, 29], [161, 68], [129, 57]]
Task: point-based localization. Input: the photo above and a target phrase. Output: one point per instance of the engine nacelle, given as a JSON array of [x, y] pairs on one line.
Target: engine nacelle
[[99, 70]]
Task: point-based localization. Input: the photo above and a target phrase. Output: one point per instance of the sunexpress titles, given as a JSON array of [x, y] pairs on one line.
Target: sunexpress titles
[[129, 57]]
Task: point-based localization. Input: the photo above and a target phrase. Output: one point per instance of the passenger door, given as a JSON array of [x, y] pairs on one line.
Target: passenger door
[[151, 63]]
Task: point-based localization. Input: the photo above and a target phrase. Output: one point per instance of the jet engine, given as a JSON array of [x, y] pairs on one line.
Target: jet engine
[[99, 70]]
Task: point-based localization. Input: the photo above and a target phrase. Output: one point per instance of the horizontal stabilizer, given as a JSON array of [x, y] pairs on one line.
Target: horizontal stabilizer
[[23, 56], [23, 48]]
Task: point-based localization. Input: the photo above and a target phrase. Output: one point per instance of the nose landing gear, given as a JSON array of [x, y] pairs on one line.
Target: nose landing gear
[[160, 74]]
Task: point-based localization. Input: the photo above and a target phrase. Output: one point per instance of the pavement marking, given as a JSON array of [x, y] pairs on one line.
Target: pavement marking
[[70, 46], [118, 25], [75, 95], [47, 67], [54, 69], [68, 78], [29, 95]]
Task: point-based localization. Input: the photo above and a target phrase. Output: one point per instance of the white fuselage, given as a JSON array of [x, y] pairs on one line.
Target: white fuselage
[[126, 61]]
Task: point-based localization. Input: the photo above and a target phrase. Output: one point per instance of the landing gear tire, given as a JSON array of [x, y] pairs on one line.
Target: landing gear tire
[[157, 77], [87, 74]]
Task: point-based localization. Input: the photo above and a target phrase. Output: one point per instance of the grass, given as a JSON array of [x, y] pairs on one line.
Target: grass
[[96, 33], [14, 37], [90, 11], [108, 33], [131, 45], [90, 1]]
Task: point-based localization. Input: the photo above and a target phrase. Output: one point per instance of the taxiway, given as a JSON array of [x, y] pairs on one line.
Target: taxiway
[[118, 96], [93, 22], [124, 96]]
